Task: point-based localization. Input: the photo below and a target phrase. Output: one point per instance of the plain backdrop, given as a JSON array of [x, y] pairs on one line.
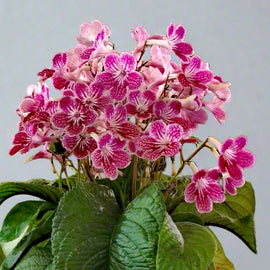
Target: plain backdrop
[[233, 36]]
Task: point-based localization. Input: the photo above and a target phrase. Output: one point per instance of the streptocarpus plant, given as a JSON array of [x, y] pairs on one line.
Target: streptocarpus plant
[[121, 118]]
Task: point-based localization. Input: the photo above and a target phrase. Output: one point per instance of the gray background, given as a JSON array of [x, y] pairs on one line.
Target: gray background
[[233, 36]]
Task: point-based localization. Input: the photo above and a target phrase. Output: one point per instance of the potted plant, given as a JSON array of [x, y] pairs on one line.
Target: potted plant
[[116, 137]]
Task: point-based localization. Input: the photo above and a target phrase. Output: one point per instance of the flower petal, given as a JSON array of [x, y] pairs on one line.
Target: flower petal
[[190, 192], [215, 193], [203, 203], [121, 158], [74, 128], [60, 120], [112, 63], [203, 76], [174, 132], [128, 62], [158, 129], [134, 80], [118, 92], [106, 78], [110, 169], [245, 159], [97, 158], [234, 171]]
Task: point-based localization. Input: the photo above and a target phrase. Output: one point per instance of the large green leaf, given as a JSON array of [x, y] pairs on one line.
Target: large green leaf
[[35, 187], [170, 245], [220, 261], [36, 258], [236, 214], [83, 226], [196, 252], [2, 255], [135, 237], [38, 234], [21, 217]]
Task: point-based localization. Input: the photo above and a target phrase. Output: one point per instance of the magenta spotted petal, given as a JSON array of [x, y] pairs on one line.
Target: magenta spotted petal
[[234, 157], [59, 60], [204, 189], [94, 96], [118, 124], [231, 184], [110, 155], [81, 146], [163, 140], [120, 75], [140, 103], [73, 117], [175, 35], [195, 73]]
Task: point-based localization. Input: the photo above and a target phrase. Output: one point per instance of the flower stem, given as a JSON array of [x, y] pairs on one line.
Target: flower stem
[[134, 176], [185, 161]]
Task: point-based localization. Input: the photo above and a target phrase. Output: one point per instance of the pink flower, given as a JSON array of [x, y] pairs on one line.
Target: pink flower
[[59, 65], [90, 31], [234, 158], [204, 189], [46, 73], [140, 35], [120, 75], [215, 106], [82, 146], [231, 184], [110, 155], [162, 140], [192, 111], [116, 122], [92, 96], [140, 103], [73, 116], [37, 107], [170, 114], [195, 73], [220, 89], [27, 138], [175, 34]]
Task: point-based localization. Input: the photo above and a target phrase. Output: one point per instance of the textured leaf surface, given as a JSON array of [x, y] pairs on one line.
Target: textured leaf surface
[[220, 261], [135, 237], [2, 255], [236, 214], [83, 226], [35, 187], [37, 258], [36, 235], [199, 248], [170, 245], [21, 217]]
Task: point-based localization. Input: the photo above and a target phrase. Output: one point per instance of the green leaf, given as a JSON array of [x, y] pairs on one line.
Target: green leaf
[[236, 214], [35, 187], [36, 258], [196, 252], [38, 234], [22, 217], [82, 227], [170, 245], [220, 261], [135, 237], [2, 255]]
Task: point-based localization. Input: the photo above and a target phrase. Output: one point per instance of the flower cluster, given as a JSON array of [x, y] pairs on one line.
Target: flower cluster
[[114, 105]]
